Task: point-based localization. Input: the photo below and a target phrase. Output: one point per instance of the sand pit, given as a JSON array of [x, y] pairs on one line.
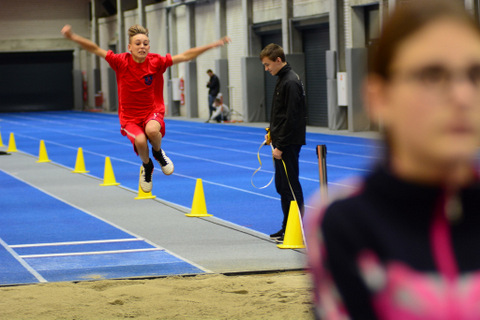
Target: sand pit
[[264, 296]]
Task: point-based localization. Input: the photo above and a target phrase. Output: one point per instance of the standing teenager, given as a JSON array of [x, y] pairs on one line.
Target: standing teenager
[[405, 242], [213, 86], [288, 122], [141, 107]]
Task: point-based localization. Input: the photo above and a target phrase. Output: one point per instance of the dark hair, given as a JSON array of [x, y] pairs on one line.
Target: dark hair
[[272, 52], [209, 71], [407, 19]]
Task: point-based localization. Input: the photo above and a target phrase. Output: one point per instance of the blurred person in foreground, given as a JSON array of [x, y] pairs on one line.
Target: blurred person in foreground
[[404, 243]]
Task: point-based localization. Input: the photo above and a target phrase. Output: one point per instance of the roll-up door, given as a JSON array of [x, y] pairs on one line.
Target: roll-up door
[[36, 81], [315, 43]]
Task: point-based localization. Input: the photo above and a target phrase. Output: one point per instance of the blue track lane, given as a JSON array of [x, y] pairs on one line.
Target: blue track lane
[[223, 156], [44, 239]]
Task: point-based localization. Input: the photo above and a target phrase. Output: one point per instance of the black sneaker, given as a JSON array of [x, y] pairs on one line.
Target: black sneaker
[[165, 163], [279, 239], [146, 176], [278, 234]]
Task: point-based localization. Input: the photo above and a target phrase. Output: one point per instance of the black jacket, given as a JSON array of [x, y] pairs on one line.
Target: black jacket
[[288, 119], [213, 85]]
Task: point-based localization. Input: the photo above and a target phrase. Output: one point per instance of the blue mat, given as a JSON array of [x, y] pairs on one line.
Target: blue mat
[[44, 239], [224, 156]]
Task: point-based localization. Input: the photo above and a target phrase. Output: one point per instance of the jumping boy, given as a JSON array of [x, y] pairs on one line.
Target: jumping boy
[[140, 93]]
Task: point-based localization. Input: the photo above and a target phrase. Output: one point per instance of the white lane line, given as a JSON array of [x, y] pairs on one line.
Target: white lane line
[[112, 224], [86, 253], [208, 136], [71, 243], [22, 262]]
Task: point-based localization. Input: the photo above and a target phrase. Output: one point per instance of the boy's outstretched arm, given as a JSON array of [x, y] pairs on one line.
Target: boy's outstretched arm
[[83, 42], [195, 52]]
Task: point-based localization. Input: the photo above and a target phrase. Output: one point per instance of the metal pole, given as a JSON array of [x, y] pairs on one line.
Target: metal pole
[[322, 168]]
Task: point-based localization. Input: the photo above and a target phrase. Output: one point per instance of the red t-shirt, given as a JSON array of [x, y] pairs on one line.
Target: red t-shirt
[[140, 85]]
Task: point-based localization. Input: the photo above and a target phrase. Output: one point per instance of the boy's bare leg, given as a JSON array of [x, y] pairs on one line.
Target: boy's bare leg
[[142, 148], [146, 170], [152, 130]]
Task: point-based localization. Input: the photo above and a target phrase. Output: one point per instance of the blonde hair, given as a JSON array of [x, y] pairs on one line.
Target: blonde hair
[[136, 29]]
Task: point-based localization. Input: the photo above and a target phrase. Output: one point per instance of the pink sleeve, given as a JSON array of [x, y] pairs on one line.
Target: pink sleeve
[[327, 299]]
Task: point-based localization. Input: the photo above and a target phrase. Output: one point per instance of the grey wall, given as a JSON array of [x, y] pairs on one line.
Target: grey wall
[[191, 96], [356, 61], [253, 89]]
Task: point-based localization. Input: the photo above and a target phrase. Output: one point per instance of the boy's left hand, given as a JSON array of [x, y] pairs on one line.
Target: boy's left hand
[[67, 31], [223, 41]]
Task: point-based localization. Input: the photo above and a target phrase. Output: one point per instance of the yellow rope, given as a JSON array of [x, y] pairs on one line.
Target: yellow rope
[[260, 162]]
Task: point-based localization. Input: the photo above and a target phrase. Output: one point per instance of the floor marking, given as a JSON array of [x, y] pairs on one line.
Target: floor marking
[[87, 253], [112, 224], [70, 243], [197, 144], [22, 262]]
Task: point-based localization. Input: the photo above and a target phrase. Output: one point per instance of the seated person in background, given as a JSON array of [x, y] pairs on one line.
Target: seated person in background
[[222, 112]]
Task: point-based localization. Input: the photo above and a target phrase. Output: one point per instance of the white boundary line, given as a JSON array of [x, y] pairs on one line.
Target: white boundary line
[[203, 135], [110, 223], [87, 253], [37, 275], [71, 243]]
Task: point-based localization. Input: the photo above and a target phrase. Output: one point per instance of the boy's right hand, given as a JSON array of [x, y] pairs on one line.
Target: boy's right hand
[[67, 31]]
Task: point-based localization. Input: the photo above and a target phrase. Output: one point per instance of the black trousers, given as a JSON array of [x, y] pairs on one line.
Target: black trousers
[[290, 156], [211, 108]]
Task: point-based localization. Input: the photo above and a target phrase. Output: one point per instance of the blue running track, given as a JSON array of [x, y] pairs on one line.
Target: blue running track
[[58, 242]]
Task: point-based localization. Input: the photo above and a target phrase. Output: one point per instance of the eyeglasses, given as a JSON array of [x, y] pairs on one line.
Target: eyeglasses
[[439, 78]]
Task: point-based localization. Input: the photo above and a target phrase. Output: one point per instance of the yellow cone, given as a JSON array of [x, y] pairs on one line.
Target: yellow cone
[[12, 146], [143, 195], [1, 141], [80, 163], [293, 238], [42, 153], [199, 207], [108, 175]]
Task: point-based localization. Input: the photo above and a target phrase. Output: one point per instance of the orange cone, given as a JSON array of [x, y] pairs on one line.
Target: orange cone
[[42, 153], [293, 238], [80, 163], [199, 207], [108, 175], [1, 141]]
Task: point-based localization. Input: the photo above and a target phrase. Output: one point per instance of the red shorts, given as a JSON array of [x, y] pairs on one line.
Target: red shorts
[[133, 129]]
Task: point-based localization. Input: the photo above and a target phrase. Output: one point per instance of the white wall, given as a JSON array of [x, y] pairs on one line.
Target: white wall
[[310, 7], [181, 44], [266, 10], [107, 34], [205, 34], [156, 18], [236, 50]]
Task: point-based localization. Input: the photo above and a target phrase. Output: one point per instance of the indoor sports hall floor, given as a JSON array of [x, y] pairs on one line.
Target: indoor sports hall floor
[[56, 225]]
